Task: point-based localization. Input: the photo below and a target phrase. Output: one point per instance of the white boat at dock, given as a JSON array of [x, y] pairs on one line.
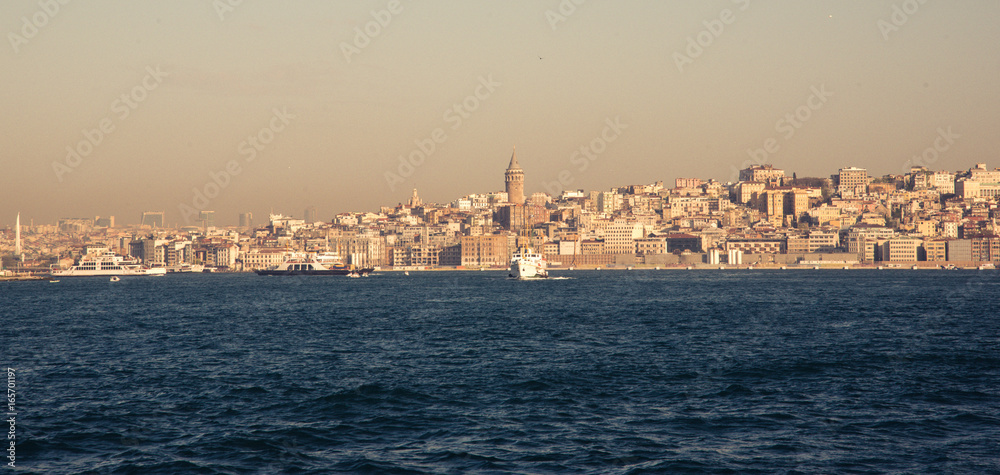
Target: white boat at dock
[[314, 264], [106, 263]]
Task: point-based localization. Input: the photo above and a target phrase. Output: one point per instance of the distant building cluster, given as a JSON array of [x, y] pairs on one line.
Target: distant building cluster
[[923, 217]]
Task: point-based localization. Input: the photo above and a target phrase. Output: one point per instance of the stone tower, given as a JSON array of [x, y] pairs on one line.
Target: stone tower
[[515, 181]]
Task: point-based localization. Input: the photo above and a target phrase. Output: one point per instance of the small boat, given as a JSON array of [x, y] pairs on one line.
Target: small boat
[[115, 278], [406, 272], [53, 281], [354, 275]]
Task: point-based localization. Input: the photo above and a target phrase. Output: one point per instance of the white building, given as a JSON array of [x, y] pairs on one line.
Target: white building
[[620, 236], [264, 258], [852, 182], [900, 250], [225, 256]]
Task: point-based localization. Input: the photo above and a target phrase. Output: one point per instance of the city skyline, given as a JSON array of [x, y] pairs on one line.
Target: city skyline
[[117, 110], [937, 218], [514, 176]]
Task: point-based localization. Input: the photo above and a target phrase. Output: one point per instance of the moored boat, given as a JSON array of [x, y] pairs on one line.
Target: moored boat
[[312, 265], [106, 263]]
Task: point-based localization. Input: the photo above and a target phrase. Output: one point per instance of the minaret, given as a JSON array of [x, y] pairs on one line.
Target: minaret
[[17, 237], [515, 181]]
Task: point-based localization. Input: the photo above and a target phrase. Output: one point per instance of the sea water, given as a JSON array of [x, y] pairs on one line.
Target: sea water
[[714, 371]]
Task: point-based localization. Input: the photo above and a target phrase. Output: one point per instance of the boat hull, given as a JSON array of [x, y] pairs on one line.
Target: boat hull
[[108, 273], [524, 270], [526, 264], [313, 272]]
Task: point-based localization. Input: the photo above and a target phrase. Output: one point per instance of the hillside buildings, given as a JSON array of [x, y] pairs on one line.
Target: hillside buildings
[[923, 217]]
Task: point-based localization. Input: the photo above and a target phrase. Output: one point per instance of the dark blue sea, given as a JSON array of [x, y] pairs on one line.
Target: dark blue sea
[[711, 371]]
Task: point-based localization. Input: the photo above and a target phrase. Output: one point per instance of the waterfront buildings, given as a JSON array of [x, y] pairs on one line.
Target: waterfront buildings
[[770, 219], [486, 251]]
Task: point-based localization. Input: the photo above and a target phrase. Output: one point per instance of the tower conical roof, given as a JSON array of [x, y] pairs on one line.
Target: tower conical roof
[[513, 161]]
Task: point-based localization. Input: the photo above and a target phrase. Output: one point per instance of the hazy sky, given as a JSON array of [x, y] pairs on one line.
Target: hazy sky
[[181, 85]]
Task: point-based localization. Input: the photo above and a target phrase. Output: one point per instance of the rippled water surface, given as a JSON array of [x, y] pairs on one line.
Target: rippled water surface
[[451, 372]]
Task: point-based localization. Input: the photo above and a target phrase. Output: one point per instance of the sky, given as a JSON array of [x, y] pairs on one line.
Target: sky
[[119, 107]]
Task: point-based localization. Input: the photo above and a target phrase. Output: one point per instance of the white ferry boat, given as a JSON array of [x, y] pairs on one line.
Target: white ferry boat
[[186, 268], [106, 263], [314, 264], [527, 264]]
